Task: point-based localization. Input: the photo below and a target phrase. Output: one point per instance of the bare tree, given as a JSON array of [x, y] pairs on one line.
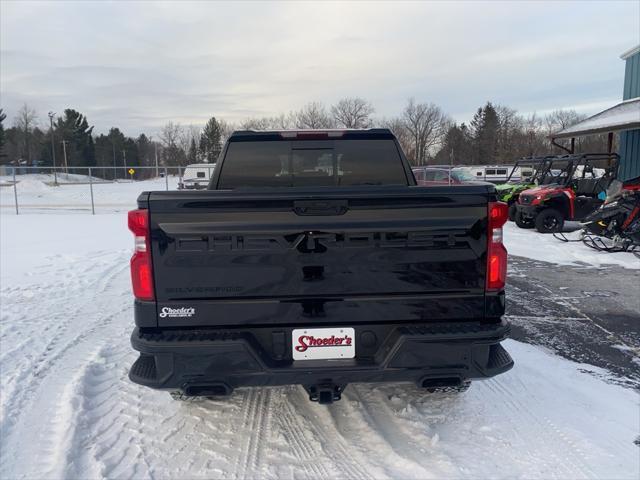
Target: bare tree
[[534, 135], [283, 121], [187, 135], [25, 121], [400, 130], [510, 126], [427, 124], [170, 134], [278, 122], [313, 115], [226, 129], [353, 112], [561, 119], [254, 123]]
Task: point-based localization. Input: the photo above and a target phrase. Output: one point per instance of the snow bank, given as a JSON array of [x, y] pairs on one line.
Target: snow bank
[[531, 244], [48, 178]]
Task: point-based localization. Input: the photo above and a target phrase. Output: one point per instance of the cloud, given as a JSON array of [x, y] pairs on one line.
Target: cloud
[[139, 64]]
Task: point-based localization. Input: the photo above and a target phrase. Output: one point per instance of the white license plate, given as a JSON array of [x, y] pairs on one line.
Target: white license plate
[[323, 343]]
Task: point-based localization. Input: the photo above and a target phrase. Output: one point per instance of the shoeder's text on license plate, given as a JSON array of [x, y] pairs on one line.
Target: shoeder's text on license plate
[[323, 343]]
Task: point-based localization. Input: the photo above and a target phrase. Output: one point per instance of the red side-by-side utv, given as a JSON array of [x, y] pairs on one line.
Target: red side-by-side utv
[[576, 188]]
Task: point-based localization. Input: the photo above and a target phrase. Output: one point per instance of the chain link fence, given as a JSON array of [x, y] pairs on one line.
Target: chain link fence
[[115, 189], [90, 189]]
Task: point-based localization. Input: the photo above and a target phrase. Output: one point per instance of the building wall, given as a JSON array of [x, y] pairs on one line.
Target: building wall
[[632, 77], [630, 140], [629, 155]]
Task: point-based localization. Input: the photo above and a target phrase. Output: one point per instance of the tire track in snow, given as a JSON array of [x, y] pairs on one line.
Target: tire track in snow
[[29, 407], [334, 445], [109, 416], [31, 380], [38, 417], [127, 431], [61, 320], [309, 459], [405, 444], [359, 429], [257, 416]]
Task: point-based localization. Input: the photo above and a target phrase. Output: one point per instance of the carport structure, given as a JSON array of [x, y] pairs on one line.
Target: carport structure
[[623, 118]]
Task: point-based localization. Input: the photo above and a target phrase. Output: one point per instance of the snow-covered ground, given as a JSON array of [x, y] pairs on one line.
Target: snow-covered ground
[[67, 409], [50, 178], [36, 194], [531, 244]]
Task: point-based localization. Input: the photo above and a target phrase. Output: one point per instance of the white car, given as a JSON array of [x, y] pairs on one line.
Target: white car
[[196, 176]]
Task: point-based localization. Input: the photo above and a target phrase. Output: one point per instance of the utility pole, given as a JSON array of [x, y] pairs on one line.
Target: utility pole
[[115, 171], [451, 164], [157, 171], [64, 150], [53, 149], [124, 162]]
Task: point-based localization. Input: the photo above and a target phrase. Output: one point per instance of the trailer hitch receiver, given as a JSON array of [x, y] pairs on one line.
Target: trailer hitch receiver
[[324, 393]]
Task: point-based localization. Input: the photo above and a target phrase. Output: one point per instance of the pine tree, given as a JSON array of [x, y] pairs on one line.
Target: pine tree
[[192, 156], [2, 139], [211, 141], [145, 151], [74, 128], [456, 148], [485, 127], [489, 138]]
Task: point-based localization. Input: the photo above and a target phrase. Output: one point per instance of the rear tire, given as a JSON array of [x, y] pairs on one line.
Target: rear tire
[[513, 211], [549, 220], [463, 387], [522, 222]]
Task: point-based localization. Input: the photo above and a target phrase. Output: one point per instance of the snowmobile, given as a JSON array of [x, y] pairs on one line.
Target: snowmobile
[[618, 219], [615, 226]]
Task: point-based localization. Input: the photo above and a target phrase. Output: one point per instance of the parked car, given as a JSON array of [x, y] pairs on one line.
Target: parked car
[[313, 258], [578, 190], [196, 176], [442, 176], [463, 176], [434, 176]]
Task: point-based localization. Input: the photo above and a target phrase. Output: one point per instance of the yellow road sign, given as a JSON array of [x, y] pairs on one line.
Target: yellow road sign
[[131, 171]]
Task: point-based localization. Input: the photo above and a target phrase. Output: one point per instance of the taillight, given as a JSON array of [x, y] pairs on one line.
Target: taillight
[[498, 213], [141, 269]]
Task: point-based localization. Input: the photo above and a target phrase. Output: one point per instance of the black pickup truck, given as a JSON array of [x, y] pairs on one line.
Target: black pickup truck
[[315, 259]]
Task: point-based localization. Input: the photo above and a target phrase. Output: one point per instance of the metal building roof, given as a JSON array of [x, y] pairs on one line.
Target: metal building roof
[[630, 52], [624, 116]]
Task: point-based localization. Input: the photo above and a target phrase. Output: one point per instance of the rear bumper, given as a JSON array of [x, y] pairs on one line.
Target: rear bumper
[[179, 359]]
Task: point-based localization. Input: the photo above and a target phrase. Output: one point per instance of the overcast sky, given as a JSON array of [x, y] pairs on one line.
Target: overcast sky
[[139, 65]]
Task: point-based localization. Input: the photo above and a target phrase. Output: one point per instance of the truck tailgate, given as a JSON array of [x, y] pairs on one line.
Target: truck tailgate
[[348, 256]]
